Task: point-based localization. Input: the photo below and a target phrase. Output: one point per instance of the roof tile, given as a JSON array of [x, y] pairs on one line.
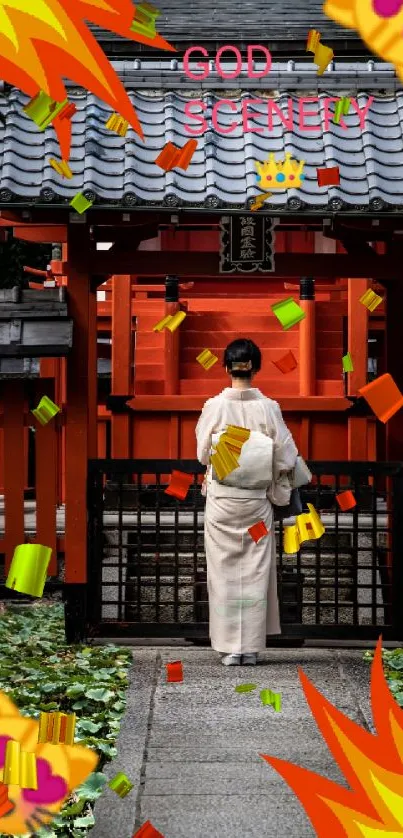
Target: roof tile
[[122, 171]]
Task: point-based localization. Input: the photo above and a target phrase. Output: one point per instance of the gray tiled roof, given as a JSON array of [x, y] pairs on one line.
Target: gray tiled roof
[[242, 19], [121, 171]]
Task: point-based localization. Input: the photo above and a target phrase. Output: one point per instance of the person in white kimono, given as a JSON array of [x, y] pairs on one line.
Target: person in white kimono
[[242, 574]]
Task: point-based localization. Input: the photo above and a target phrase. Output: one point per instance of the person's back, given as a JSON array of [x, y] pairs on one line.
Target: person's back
[[238, 569], [233, 406]]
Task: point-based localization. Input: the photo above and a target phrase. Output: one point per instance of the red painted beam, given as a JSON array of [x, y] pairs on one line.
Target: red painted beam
[[43, 234], [191, 404], [196, 264]]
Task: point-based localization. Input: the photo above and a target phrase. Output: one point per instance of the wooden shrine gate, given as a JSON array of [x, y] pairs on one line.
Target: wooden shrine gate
[[147, 567]]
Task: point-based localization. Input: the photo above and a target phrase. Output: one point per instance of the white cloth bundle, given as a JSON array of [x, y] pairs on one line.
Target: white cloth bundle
[[300, 474], [255, 468]]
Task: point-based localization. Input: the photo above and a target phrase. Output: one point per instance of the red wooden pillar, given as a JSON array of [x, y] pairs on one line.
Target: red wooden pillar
[[14, 467], [92, 376], [358, 347], [171, 339], [63, 381], [122, 378], [46, 463], [394, 365], [394, 432], [81, 409], [307, 339]]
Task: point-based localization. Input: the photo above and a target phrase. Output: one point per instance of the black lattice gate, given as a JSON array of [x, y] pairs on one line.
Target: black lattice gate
[[147, 567]]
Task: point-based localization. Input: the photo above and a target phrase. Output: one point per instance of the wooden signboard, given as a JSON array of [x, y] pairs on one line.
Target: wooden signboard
[[247, 244]]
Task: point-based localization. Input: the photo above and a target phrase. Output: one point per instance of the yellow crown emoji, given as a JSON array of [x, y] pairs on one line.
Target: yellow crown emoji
[[280, 175]]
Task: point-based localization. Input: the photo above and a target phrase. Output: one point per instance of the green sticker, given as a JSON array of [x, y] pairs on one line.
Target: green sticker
[[245, 688]]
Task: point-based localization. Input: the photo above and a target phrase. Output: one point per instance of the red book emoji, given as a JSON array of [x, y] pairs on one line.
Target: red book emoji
[[346, 500], [328, 177], [148, 831], [172, 156], [174, 671], [179, 485], [287, 363], [258, 531]]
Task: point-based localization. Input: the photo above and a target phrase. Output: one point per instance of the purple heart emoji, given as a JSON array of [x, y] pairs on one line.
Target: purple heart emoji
[[51, 787], [387, 8]]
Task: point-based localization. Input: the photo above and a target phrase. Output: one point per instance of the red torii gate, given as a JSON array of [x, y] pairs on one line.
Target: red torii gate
[[84, 269]]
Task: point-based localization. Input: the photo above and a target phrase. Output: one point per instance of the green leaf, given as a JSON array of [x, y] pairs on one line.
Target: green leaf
[[88, 726], [106, 749], [79, 705], [75, 690], [101, 694], [87, 820], [93, 786], [74, 808], [396, 663], [48, 687]]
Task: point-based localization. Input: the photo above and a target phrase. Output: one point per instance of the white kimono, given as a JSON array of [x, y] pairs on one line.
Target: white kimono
[[242, 575]]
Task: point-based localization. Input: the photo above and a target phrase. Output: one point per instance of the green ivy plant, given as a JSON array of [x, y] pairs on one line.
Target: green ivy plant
[[40, 672], [393, 669]]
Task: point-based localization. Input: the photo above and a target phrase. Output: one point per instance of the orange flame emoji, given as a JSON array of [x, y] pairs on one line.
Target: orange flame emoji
[[371, 763], [42, 41]]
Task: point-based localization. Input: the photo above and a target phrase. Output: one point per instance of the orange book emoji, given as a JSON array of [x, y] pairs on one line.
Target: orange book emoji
[[383, 397]]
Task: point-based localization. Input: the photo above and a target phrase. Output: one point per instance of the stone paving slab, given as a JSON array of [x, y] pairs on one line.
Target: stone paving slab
[[192, 749], [169, 778], [357, 673], [235, 815]]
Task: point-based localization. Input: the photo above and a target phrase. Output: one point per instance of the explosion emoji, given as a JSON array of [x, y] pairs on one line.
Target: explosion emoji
[[379, 22], [371, 763], [60, 769], [44, 41]]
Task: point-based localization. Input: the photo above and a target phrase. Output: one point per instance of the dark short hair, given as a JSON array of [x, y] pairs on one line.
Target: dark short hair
[[242, 350]]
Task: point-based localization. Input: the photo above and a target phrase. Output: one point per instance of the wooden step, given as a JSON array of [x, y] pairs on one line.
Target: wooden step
[[331, 355], [333, 372], [209, 338], [150, 372], [328, 323], [209, 387], [188, 355], [284, 341], [196, 371], [151, 342], [149, 388], [262, 321], [326, 387], [147, 354], [148, 308]]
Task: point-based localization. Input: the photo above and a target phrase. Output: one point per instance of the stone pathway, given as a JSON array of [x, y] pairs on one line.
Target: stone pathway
[[191, 749]]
